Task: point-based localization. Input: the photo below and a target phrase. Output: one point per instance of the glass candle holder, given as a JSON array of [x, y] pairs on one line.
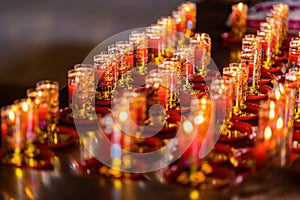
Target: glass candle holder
[[292, 80], [169, 74], [28, 108], [221, 94], [124, 62], [189, 10], [157, 95], [82, 93], [284, 98], [13, 135], [294, 53], [201, 45], [100, 66], [179, 19], [251, 58], [140, 51], [270, 137], [233, 74], [155, 44], [48, 94], [239, 19], [278, 26], [267, 43], [113, 67]]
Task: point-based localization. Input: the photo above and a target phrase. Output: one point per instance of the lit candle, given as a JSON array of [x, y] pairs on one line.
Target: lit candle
[[239, 19], [294, 54], [263, 147]]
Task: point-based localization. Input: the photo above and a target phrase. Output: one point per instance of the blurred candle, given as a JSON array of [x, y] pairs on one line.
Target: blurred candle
[[239, 19]]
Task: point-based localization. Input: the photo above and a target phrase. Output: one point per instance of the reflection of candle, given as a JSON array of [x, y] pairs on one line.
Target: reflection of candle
[[263, 147], [71, 90]]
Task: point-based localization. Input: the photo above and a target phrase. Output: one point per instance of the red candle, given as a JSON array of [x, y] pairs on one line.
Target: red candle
[[268, 47], [43, 110], [99, 75], [129, 60], [154, 45], [294, 60], [71, 90]]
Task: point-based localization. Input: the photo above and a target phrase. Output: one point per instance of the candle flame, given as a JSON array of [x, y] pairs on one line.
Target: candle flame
[[279, 123], [188, 126], [11, 115], [123, 116], [198, 36], [281, 88], [24, 106], [268, 133], [199, 119], [272, 114], [272, 105], [277, 94], [240, 6]]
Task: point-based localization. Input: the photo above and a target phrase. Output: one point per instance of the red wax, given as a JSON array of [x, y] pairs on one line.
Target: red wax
[[154, 45], [71, 90], [43, 110], [267, 49], [3, 129], [129, 60], [162, 94], [294, 60], [260, 153], [99, 75], [187, 68]]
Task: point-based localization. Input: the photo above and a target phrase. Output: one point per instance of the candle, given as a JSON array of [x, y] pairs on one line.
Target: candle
[[263, 147], [239, 19], [201, 45], [294, 54]]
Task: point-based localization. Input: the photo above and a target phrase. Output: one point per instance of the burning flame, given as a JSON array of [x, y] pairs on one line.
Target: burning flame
[[277, 94], [240, 6], [11, 115], [268, 133], [279, 123]]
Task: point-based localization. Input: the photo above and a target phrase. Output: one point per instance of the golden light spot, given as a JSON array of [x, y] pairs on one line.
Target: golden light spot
[[240, 6], [127, 161], [29, 193], [19, 173], [277, 94], [24, 106], [123, 116], [272, 105], [116, 162], [272, 114], [11, 115], [117, 184], [199, 119], [187, 126], [281, 88], [156, 85], [279, 123], [268, 133], [194, 194]]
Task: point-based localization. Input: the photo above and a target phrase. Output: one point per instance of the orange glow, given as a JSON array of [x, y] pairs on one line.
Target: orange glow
[[240, 6], [268, 133]]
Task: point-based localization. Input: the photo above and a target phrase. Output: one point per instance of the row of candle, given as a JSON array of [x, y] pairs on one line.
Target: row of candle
[[30, 121], [33, 120]]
